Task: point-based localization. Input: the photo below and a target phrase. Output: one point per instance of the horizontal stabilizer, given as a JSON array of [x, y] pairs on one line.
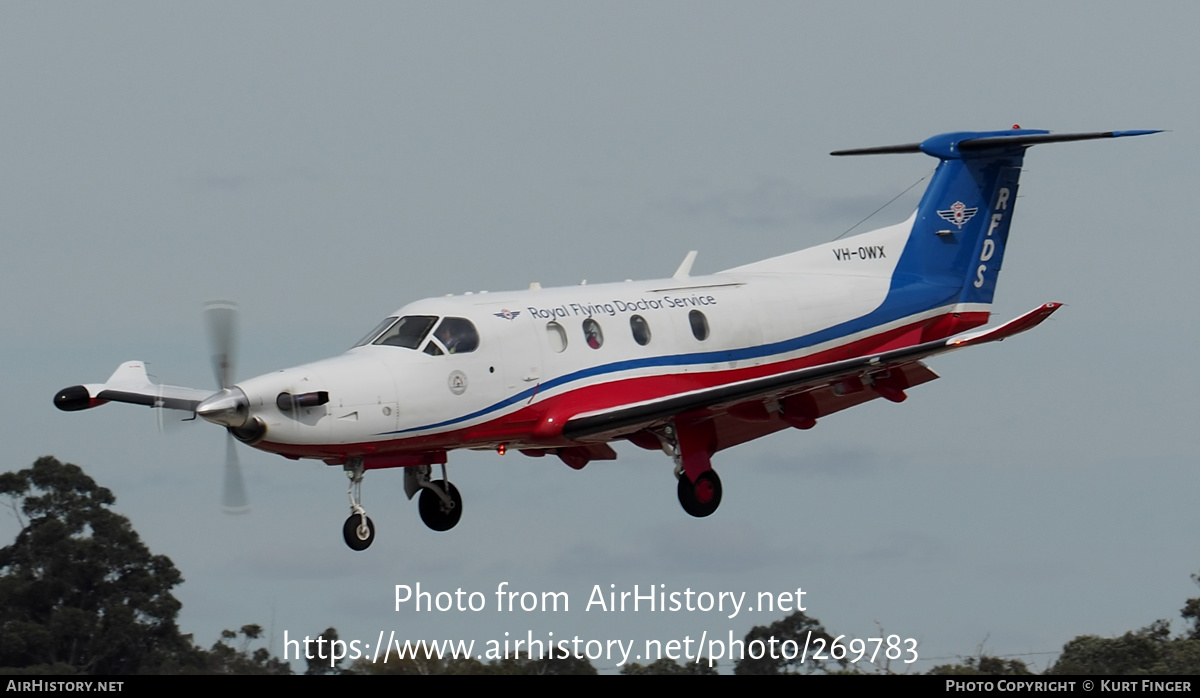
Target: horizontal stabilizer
[[951, 145], [1035, 139], [882, 150]]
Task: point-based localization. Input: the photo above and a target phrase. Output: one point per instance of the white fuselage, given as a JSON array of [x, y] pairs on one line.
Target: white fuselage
[[537, 348]]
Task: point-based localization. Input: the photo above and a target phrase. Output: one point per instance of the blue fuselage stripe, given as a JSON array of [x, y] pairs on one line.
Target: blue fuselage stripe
[[906, 297]]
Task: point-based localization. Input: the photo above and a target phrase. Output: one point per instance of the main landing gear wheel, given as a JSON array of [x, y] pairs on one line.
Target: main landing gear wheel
[[359, 531], [702, 497], [436, 513]]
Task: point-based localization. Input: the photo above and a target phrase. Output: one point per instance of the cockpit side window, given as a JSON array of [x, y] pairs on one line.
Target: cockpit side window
[[407, 332], [458, 335]]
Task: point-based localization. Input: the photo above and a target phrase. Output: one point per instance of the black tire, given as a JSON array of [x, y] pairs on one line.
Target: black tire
[[701, 498], [434, 512], [354, 538]]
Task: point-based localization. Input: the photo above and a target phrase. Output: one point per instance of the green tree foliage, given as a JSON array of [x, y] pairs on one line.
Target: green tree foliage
[[421, 664], [223, 658], [983, 665], [427, 663], [666, 667], [1191, 613], [415, 664], [1150, 650], [797, 628], [321, 664], [558, 666], [79, 591]]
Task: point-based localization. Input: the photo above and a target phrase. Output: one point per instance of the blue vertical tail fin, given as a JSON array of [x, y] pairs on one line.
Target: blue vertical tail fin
[[960, 232]]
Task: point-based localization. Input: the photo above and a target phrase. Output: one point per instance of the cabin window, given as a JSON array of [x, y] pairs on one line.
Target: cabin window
[[699, 325], [557, 336], [640, 329], [592, 334], [407, 332], [458, 335]]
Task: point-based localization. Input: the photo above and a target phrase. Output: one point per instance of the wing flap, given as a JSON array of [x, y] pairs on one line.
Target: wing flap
[[731, 428], [632, 417]]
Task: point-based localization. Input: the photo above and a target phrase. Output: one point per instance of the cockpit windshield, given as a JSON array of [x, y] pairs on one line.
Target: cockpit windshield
[[387, 322], [455, 334], [408, 332]]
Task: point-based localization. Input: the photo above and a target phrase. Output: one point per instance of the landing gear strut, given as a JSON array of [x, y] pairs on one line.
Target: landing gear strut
[[699, 487], [358, 530]]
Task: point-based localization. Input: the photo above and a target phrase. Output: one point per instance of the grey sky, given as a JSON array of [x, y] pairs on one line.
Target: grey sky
[[325, 164]]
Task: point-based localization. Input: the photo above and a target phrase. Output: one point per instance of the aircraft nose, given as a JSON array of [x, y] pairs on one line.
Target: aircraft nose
[[230, 408]]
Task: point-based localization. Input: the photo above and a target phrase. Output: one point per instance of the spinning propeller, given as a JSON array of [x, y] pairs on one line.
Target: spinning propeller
[[226, 406]]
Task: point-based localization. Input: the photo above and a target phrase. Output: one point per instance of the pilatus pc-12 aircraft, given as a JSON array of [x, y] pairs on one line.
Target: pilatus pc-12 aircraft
[[691, 365]]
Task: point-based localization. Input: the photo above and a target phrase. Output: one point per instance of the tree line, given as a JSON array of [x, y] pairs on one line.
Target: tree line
[[80, 593]]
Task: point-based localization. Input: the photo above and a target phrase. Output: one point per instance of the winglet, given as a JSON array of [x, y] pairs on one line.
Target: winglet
[[1017, 325], [130, 373]]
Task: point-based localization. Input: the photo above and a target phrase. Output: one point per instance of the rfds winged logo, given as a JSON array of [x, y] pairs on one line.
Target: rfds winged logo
[[958, 214], [507, 314]]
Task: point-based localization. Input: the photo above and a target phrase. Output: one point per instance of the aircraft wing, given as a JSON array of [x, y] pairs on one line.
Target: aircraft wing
[[130, 384], [625, 419]]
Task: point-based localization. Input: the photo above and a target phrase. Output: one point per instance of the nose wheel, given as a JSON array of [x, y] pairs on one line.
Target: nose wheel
[[702, 497], [359, 531]]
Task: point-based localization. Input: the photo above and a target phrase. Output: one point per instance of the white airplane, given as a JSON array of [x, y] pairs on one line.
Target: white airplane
[[689, 364]]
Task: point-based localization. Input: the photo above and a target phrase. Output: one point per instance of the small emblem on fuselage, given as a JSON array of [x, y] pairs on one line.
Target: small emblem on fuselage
[[457, 382], [507, 314], [958, 214]]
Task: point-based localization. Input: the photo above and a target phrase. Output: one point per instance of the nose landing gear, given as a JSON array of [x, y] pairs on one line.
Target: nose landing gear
[[358, 530], [440, 504]]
